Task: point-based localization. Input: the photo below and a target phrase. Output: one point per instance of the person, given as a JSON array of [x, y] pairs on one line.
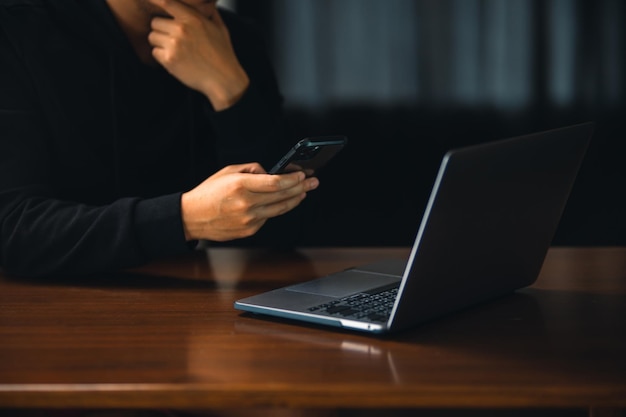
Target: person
[[131, 130]]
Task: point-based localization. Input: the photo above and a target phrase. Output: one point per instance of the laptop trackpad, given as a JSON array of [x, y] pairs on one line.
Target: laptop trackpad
[[344, 283]]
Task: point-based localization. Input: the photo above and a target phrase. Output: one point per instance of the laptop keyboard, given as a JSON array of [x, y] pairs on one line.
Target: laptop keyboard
[[372, 305]]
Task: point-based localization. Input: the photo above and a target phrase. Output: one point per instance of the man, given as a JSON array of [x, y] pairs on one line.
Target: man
[[127, 131]]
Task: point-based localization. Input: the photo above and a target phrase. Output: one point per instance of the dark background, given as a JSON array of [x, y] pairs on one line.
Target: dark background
[[406, 80]]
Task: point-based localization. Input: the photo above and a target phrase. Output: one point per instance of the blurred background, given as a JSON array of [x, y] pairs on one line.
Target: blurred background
[[406, 80]]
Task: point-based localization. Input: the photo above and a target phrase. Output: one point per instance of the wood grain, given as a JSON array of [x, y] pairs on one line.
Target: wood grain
[[167, 336]]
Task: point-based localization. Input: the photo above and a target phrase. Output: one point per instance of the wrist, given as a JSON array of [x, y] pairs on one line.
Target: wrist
[[223, 95], [184, 211]]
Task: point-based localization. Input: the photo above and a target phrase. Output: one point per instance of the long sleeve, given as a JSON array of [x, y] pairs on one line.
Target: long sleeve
[[67, 187], [43, 233]]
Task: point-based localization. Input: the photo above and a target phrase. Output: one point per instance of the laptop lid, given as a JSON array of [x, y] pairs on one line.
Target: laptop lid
[[488, 224]]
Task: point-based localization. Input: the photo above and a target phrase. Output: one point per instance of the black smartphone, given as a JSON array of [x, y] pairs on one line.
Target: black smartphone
[[310, 154]]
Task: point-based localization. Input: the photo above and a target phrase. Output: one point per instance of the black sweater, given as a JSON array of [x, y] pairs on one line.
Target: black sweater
[[96, 148]]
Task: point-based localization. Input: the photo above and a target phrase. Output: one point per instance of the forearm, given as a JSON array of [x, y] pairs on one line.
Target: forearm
[[41, 236], [225, 93]]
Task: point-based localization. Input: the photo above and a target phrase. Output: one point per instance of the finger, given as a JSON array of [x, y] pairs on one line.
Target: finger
[[251, 167], [158, 39], [270, 183], [161, 24], [279, 208], [289, 196], [175, 8]]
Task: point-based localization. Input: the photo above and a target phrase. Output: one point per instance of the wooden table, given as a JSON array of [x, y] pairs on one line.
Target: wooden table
[[167, 336]]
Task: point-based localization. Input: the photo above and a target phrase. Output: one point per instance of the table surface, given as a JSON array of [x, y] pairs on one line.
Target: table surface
[[167, 335]]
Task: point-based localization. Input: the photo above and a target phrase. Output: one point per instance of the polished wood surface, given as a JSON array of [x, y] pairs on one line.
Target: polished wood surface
[[167, 336]]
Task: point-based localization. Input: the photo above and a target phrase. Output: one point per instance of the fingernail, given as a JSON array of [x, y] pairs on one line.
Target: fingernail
[[313, 183]]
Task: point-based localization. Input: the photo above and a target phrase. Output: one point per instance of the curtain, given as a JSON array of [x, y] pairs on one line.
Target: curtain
[[509, 54]]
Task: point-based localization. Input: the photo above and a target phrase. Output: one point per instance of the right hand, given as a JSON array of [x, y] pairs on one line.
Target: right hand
[[237, 200], [194, 45]]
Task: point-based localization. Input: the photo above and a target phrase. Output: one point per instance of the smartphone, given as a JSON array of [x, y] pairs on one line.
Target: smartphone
[[310, 154]]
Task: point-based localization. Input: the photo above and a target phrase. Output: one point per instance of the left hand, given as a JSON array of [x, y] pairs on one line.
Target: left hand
[[195, 47]]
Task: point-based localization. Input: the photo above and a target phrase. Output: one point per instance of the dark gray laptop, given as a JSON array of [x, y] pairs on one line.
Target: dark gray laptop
[[490, 219]]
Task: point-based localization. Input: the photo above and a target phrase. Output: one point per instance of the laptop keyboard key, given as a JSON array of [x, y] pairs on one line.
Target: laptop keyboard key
[[374, 305]]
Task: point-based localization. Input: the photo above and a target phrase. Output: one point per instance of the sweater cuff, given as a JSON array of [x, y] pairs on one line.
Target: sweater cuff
[[159, 227]]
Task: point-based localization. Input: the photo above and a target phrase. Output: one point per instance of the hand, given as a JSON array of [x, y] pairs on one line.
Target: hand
[[237, 200], [194, 46]]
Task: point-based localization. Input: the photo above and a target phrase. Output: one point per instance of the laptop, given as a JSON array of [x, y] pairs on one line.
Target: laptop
[[490, 219]]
